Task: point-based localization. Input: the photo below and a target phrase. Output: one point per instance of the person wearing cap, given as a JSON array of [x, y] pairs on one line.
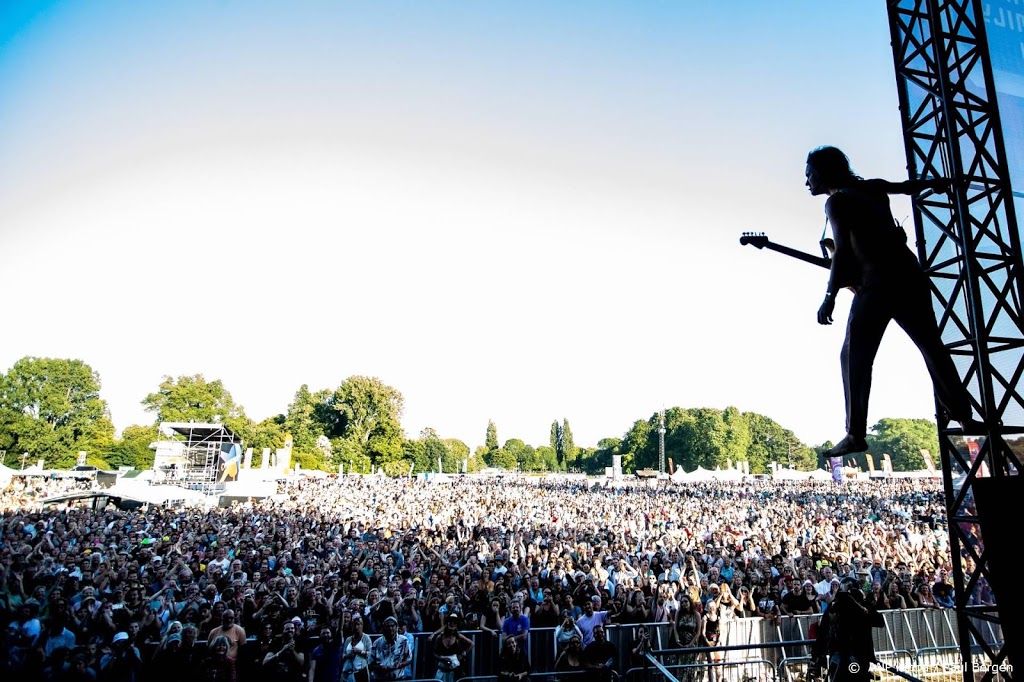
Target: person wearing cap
[[172, 637], [824, 586], [500, 568], [390, 655], [449, 647], [864, 577], [122, 663]]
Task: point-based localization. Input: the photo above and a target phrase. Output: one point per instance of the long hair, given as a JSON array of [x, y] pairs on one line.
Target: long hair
[[832, 166], [507, 655], [220, 639]]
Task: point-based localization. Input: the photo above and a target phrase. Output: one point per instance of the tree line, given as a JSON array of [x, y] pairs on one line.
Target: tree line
[[51, 409]]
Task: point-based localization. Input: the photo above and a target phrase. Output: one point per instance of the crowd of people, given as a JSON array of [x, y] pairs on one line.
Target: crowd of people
[[346, 578]]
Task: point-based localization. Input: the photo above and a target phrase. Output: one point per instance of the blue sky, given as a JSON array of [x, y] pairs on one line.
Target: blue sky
[[512, 211]]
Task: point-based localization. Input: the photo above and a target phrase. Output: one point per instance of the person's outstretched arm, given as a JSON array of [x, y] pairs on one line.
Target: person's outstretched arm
[[909, 186]]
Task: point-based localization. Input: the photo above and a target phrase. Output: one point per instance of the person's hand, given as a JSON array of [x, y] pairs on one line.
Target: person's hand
[[825, 311], [940, 185]]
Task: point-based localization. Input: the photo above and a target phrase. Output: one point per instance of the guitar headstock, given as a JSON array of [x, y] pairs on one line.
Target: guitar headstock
[[758, 239]]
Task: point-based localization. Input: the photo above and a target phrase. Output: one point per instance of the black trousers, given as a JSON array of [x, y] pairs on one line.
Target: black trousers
[[906, 299]]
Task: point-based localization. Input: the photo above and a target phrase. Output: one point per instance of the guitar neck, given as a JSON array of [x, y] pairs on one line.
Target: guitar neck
[[800, 255]]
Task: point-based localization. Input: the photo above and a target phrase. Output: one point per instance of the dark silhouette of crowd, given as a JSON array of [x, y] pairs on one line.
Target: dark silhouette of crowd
[[344, 578]]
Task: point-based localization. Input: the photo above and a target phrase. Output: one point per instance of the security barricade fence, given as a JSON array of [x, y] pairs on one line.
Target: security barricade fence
[[705, 668], [535, 676], [921, 642]]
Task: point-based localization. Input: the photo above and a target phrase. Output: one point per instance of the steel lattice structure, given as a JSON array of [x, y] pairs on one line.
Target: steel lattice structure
[[969, 243]]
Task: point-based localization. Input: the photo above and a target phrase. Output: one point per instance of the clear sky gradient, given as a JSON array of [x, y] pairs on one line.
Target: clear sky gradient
[[520, 211]]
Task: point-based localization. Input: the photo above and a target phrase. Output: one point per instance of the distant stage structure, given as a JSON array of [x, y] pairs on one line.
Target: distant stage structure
[[197, 456]]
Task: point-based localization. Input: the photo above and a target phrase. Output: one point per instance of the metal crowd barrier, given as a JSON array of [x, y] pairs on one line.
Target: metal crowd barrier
[[535, 676], [708, 670], [921, 639]]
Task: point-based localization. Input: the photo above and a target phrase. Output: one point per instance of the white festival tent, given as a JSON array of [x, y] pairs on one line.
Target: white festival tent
[[701, 475]]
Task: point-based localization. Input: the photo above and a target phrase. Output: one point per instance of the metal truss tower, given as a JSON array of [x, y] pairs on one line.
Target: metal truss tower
[[969, 243]]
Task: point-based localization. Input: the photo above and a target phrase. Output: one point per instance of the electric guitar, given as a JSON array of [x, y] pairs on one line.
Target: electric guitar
[[760, 240]]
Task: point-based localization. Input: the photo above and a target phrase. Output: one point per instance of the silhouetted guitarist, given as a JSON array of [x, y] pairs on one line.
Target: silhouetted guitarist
[[871, 256]]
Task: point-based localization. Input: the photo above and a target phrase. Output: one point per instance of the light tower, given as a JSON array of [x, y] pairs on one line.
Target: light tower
[[661, 443]]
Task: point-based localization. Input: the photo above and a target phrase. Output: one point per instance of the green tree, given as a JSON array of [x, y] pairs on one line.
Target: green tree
[[491, 439], [767, 440], [710, 434], [522, 453], [545, 459], [355, 459], [501, 459], [51, 408], [555, 441], [737, 436], [481, 458], [458, 452], [569, 451], [679, 435], [269, 433], [310, 460], [601, 456], [584, 454], [415, 451], [903, 440], [308, 418], [635, 448], [770, 442], [436, 451], [804, 458], [132, 449], [362, 420], [192, 398], [369, 416], [396, 467]]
